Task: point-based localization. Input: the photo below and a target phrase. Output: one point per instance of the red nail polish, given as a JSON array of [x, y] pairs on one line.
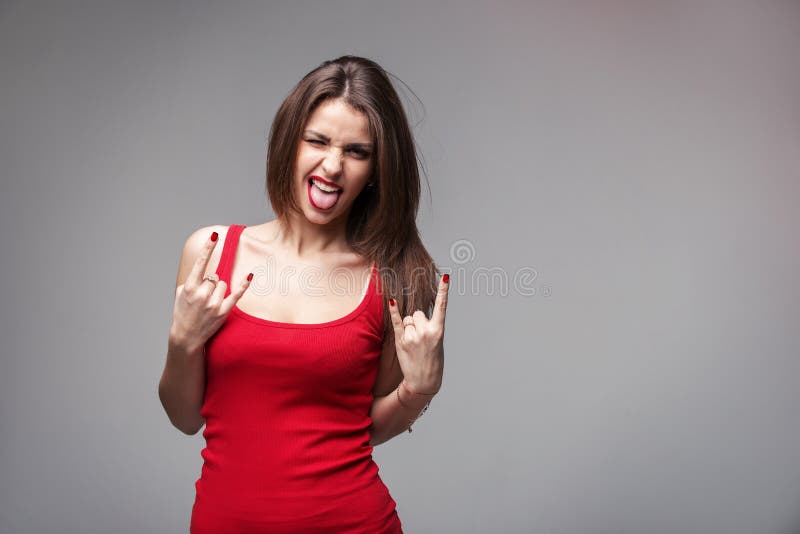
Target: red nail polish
[[446, 278], [391, 302], [249, 277], [214, 236]]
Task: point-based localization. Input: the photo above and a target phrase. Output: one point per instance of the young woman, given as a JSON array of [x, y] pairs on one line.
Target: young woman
[[311, 338]]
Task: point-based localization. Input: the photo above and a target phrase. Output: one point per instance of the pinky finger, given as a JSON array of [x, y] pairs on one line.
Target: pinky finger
[[233, 298]]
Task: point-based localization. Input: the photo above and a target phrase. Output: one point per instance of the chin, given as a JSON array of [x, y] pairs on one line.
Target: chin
[[314, 216]]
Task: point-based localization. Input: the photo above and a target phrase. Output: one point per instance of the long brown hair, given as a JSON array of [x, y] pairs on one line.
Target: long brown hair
[[382, 222]]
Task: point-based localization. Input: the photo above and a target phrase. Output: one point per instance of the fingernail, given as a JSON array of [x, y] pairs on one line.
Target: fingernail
[[391, 302], [446, 278], [214, 236], [249, 277]]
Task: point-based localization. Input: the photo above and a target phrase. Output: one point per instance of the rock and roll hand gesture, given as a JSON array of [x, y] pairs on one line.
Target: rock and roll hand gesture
[[200, 303], [419, 343]]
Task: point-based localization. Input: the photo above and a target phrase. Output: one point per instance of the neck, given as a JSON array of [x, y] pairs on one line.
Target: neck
[[306, 239]]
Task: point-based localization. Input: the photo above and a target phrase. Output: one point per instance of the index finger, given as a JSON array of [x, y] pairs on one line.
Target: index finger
[[440, 306], [397, 321], [200, 265]]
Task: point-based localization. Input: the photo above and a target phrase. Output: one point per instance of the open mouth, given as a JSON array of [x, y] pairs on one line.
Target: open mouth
[[322, 195]]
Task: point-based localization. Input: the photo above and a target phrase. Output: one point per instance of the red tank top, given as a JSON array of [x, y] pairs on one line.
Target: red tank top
[[287, 423]]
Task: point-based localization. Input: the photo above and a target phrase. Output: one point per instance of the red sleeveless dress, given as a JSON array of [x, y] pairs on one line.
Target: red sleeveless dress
[[287, 423]]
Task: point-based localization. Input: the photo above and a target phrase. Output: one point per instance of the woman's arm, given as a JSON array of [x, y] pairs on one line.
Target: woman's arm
[[182, 386], [392, 416], [418, 350], [389, 416]]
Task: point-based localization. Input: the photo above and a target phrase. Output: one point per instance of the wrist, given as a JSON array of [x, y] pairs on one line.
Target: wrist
[[182, 344], [428, 390], [409, 400], [414, 402]]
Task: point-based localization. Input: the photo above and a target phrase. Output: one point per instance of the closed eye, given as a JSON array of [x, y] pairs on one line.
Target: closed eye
[[360, 152]]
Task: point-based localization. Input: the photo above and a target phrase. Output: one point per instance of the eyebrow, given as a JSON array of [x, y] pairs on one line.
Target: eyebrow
[[328, 140]]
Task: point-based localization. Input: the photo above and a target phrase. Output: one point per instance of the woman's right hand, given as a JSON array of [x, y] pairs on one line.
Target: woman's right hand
[[200, 305]]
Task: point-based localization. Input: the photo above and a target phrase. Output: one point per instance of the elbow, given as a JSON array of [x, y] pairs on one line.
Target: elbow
[[374, 438], [188, 428], [185, 425], [378, 438], [192, 430]]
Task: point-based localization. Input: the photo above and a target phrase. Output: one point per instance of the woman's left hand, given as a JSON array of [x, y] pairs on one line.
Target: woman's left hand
[[419, 343]]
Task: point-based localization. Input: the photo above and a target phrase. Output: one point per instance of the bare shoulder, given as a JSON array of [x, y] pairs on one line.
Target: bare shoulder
[[194, 246], [265, 232]]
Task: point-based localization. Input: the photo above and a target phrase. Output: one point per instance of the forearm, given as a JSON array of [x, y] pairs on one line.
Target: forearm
[[182, 386], [392, 416]]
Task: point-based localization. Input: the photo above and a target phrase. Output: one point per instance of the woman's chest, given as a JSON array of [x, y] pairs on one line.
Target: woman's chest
[[248, 352], [301, 294]]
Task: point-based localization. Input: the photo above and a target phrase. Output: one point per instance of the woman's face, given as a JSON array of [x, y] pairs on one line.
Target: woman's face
[[334, 161]]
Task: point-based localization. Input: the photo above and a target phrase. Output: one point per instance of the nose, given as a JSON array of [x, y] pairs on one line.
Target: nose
[[332, 163]]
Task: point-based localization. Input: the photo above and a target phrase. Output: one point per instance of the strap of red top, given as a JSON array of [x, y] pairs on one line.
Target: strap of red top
[[229, 254]]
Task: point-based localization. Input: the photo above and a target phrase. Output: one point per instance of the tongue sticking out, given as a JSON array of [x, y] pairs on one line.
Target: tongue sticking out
[[322, 199]]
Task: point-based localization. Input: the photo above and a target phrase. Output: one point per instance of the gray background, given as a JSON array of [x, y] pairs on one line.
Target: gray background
[[641, 159]]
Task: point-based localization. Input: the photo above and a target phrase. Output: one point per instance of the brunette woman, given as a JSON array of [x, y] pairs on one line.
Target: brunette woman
[[303, 342]]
